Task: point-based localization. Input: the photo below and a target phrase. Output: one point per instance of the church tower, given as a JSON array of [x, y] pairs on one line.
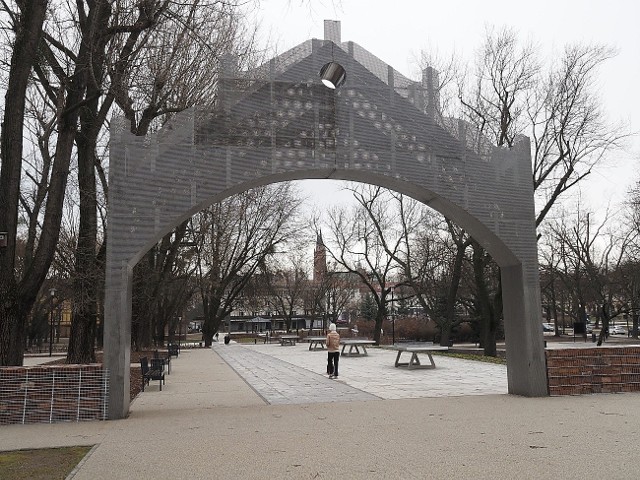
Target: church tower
[[319, 260]]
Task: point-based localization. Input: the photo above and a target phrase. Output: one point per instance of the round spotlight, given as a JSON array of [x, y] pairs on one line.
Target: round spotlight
[[333, 75]]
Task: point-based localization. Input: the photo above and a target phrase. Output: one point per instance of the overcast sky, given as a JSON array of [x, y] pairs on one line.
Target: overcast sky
[[397, 31]]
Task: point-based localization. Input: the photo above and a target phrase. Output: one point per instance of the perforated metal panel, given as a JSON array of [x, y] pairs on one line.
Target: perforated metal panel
[[279, 123]]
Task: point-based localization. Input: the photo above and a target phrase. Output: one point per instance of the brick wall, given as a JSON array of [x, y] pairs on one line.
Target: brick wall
[[53, 393], [581, 371]]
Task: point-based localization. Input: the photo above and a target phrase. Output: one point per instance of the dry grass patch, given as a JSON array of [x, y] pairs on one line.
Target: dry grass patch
[[41, 464], [471, 356]]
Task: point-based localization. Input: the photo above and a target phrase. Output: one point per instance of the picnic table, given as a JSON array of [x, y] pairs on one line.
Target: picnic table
[[288, 340], [316, 342], [355, 344], [415, 349]]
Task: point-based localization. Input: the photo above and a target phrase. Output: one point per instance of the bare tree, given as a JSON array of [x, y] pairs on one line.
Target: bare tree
[[161, 282], [106, 57], [177, 69], [505, 73], [360, 242], [17, 295], [286, 288], [254, 296], [68, 77], [434, 268], [431, 264], [630, 269], [627, 278], [315, 302], [235, 237], [568, 126], [592, 259], [512, 93], [339, 288]]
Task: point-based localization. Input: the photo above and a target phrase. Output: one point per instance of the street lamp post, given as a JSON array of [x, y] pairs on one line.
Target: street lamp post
[[393, 319], [52, 295]]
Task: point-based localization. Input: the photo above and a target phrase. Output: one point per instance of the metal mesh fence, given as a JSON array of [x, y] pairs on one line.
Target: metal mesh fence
[[50, 394]]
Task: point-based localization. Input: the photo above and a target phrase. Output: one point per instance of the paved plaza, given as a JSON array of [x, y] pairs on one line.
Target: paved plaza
[[296, 375], [268, 412]]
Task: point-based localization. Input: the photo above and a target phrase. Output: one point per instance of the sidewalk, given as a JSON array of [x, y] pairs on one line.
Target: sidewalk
[[208, 422]]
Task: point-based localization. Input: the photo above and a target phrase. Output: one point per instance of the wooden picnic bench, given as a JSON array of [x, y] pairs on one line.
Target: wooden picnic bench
[[288, 340], [415, 349], [153, 371], [317, 342], [355, 344]]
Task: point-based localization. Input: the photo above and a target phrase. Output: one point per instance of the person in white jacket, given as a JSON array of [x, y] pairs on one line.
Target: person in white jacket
[[333, 347]]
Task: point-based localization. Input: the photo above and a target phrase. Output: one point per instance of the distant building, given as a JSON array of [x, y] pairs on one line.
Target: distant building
[[319, 260], [341, 292]]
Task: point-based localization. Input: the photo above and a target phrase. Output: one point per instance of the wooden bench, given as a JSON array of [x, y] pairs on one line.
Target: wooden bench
[[155, 371]]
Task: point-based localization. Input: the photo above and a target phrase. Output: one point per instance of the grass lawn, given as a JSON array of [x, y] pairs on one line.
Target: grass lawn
[[42, 464], [471, 356]]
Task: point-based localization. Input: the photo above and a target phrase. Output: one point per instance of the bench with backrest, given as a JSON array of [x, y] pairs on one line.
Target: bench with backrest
[[152, 371], [174, 350], [166, 358]]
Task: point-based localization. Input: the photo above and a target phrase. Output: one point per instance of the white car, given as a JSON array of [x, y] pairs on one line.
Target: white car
[[617, 330]]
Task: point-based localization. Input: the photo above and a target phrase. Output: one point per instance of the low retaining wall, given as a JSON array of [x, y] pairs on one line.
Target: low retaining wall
[[593, 370], [53, 393]]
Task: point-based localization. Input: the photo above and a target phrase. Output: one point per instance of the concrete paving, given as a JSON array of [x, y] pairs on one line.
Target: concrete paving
[[249, 412], [297, 375]]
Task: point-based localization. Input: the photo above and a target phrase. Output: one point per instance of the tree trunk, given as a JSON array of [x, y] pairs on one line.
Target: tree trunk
[[604, 332], [85, 304], [12, 329], [83, 321], [82, 337], [452, 294], [210, 326], [377, 332], [489, 324], [445, 334], [14, 307]]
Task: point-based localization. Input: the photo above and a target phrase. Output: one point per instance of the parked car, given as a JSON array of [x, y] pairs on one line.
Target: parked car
[[548, 327], [617, 330]]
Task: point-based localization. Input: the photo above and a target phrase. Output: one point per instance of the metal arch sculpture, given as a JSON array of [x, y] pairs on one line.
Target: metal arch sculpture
[[280, 123]]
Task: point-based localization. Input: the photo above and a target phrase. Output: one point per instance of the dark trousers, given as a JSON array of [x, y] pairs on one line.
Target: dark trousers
[[332, 363]]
